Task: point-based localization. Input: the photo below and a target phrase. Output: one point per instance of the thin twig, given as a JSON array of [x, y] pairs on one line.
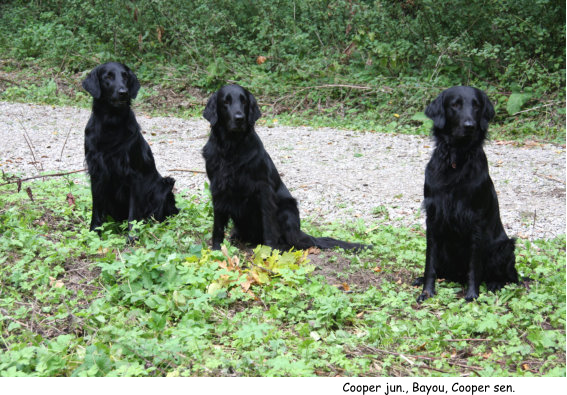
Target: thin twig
[[294, 93], [64, 144], [30, 145], [20, 180], [550, 178], [377, 351], [536, 107], [189, 171], [9, 81], [263, 268]]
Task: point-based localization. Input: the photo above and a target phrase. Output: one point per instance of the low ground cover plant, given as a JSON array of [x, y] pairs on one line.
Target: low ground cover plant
[[74, 304]]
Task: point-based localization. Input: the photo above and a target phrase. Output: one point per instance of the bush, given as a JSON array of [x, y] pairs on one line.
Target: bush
[[509, 42], [337, 59]]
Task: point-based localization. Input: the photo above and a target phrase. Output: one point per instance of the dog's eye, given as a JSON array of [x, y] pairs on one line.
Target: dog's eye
[[125, 76], [475, 105], [109, 76], [243, 99], [456, 104]]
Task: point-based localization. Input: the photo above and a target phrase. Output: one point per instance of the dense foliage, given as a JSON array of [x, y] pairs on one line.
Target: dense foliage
[[362, 61]]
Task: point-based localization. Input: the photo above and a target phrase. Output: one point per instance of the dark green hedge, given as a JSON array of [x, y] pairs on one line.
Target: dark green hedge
[[513, 44]]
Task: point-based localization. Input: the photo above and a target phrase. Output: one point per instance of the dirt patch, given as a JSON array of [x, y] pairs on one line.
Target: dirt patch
[[81, 275], [339, 272]]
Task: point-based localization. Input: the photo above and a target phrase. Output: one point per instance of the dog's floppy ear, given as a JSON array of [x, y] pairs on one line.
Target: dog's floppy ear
[[253, 110], [91, 83], [487, 111], [436, 112], [210, 112], [133, 83]]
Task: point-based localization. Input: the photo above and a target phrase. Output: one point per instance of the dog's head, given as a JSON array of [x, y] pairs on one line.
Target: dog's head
[[234, 108], [113, 83], [461, 115]]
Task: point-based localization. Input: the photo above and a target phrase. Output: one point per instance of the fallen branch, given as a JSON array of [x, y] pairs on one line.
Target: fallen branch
[[294, 93], [20, 180], [551, 178], [189, 171], [538, 107], [9, 81]]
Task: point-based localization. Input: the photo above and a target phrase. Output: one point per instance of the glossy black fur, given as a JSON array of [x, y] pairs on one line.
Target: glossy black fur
[[244, 181], [466, 241], [125, 183]]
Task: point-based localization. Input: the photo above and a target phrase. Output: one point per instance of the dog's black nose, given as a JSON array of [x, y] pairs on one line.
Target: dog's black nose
[[469, 124], [238, 117], [123, 93]]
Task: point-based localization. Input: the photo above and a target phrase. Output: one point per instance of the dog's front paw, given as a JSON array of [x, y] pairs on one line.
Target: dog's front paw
[[471, 295], [426, 294], [494, 286], [131, 240], [216, 246], [418, 282]]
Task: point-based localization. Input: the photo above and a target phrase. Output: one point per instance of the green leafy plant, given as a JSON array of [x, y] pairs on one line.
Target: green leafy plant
[[74, 304]]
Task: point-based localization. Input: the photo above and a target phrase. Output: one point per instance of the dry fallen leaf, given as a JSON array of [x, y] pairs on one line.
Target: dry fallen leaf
[[261, 59], [29, 192], [55, 283], [313, 250], [160, 30], [70, 199]]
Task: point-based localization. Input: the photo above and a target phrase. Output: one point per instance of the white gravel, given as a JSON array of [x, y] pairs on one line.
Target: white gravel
[[334, 174]]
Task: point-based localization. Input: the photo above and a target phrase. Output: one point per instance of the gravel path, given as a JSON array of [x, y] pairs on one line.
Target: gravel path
[[334, 174]]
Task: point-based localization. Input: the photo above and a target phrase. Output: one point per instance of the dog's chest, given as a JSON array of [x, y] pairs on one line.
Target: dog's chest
[[229, 176], [449, 193], [119, 157]]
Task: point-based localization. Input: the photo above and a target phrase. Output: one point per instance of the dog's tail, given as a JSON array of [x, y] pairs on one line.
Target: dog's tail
[[328, 242], [288, 218], [301, 240]]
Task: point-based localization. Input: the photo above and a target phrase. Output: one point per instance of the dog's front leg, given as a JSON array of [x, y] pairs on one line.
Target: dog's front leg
[[131, 215], [474, 274], [219, 224], [97, 214], [268, 210], [430, 274]]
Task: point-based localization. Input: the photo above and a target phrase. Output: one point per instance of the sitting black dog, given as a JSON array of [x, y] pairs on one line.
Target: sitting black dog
[[125, 183], [466, 241], [245, 183]]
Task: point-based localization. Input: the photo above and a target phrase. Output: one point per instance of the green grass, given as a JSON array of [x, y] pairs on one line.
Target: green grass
[[74, 304]]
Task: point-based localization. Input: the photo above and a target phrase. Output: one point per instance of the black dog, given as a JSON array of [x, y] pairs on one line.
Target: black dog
[[125, 183], [466, 241], [245, 183]]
